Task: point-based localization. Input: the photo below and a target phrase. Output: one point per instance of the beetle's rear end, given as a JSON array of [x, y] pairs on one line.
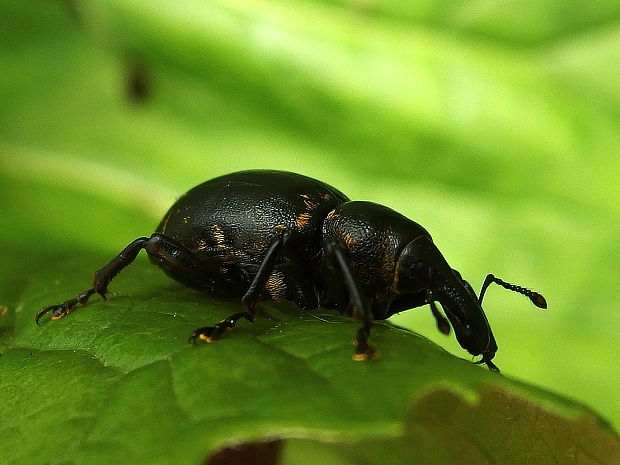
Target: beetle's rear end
[[231, 221]]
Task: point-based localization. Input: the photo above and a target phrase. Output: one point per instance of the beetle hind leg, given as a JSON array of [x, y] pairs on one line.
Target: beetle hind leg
[[166, 251], [100, 281], [60, 310]]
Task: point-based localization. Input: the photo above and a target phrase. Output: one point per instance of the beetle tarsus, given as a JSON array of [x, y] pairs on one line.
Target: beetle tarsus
[[492, 366], [43, 311], [488, 363], [215, 332], [208, 333], [61, 310], [365, 353], [363, 350]]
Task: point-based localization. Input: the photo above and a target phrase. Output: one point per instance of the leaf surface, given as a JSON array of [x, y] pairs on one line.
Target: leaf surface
[[117, 381], [494, 126]]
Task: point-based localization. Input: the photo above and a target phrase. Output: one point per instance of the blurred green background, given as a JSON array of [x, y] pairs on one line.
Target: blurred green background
[[493, 124]]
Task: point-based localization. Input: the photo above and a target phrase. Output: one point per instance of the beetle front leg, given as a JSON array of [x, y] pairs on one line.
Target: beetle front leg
[[443, 325], [418, 299], [363, 350]]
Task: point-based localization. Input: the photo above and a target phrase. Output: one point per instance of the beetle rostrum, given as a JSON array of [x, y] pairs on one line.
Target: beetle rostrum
[[278, 235]]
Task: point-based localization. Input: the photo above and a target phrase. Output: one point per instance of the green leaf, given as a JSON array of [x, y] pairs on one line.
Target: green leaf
[[494, 126], [117, 382], [443, 428]]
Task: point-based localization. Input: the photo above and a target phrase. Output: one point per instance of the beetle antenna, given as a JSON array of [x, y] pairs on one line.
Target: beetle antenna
[[536, 298]]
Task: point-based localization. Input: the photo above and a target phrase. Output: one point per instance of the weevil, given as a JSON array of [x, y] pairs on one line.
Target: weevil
[[264, 234]]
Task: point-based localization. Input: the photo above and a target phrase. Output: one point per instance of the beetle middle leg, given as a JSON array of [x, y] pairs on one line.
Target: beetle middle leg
[[279, 247]]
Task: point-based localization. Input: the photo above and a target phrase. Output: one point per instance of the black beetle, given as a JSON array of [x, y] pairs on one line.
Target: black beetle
[[284, 236]]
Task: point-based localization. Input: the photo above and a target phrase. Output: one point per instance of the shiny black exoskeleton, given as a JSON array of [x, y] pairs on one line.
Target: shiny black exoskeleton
[[273, 234]]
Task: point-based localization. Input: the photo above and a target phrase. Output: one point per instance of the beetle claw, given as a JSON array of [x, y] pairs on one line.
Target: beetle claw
[[492, 366], [488, 363], [42, 312], [57, 311]]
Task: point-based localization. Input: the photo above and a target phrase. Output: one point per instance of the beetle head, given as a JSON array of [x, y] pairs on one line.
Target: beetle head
[[422, 268], [474, 333]]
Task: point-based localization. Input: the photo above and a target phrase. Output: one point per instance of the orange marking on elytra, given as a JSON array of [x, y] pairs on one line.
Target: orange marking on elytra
[[218, 235], [302, 220], [276, 287], [349, 240]]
